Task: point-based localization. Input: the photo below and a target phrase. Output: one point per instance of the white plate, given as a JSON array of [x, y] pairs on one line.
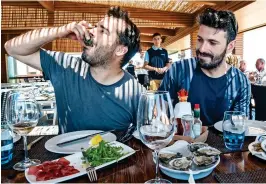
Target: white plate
[[253, 128], [51, 144], [75, 160], [260, 155], [136, 134], [182, 147], [41, 98], [263, 145]]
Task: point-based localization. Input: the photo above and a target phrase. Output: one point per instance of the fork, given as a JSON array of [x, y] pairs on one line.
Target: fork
[[92, 175]]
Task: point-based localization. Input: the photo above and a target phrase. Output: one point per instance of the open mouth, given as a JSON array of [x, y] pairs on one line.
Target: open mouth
[[88, 42]]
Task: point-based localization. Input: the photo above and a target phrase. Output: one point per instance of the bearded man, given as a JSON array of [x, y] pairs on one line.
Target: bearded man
[[92, 92], [210, 81]]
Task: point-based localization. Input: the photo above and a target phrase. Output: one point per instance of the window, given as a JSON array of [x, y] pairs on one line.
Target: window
[[254, 47]]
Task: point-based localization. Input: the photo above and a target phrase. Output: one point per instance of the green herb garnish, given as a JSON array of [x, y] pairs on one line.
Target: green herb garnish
[[103, 153]]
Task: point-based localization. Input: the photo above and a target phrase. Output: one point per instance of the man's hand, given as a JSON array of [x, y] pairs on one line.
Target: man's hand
[[77, 31]]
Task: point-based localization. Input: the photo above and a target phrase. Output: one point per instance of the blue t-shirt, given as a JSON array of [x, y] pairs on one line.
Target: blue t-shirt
[[209, 93], [85, 104], [231, 92]]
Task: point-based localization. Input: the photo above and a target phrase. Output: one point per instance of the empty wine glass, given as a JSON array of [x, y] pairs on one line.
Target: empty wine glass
[[23, 114], [156, 123]]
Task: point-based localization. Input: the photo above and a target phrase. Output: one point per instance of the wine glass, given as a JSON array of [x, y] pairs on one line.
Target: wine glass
[[156, 123], [23, 114]]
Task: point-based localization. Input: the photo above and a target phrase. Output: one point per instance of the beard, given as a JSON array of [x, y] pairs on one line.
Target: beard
[[101, 56], [215, 60]]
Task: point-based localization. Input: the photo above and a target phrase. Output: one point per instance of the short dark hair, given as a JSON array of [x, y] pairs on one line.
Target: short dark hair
[[224, 20], [261, 60], [156, 34], [130, 37]]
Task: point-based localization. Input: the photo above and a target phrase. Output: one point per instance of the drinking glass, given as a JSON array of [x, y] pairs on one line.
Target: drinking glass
[[22, 116], [234, 129], [156, 123]]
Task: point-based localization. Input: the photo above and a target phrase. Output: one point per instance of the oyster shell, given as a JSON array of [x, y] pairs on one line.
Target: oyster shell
[[257, 147], [197, 145], [181, 163], [208, 151], [204, 160], [167, 157]]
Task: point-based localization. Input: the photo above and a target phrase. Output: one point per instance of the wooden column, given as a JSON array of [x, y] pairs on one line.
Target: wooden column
[[193, 42], [239, 45], [4, 39]]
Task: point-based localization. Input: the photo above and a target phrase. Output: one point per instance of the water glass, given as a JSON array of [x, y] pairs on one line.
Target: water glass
[[6, 143], [234, 129]]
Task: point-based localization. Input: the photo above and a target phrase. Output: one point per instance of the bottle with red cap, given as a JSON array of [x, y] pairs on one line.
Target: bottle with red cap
[[197, 126]]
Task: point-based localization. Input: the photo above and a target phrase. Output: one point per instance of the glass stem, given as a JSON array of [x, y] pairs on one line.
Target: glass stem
[[157, 164], [25, 149]]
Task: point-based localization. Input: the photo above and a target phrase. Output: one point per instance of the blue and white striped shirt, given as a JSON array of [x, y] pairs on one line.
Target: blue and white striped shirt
[[215, 95]]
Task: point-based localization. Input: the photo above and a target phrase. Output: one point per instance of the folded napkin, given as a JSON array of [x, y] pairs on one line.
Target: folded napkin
[[257, 176]]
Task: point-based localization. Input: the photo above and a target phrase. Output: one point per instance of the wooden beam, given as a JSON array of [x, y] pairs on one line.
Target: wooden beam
[[49, 5], [28, 4], [162, 31], [182, 32], [182, 19], [145, 38], [146, 44], [208, 3]]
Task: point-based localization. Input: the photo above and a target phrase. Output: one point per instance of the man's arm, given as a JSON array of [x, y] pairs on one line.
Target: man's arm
[[243, 100], [148, 67], [26, 47]]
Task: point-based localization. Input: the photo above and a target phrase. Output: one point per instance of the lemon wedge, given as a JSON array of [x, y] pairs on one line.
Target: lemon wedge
[[95, 140]]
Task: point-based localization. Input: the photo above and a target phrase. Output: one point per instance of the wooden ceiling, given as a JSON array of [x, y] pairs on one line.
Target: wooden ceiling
[[174, 19]]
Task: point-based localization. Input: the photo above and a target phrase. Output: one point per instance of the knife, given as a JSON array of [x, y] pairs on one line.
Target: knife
[[62, 144]]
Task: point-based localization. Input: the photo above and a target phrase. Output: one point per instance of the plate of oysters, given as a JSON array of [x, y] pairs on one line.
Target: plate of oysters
[[181, 158]]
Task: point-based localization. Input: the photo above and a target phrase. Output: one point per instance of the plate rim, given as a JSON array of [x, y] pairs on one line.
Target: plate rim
[[249, 120], [61, 179], [263, 145], [257, 155], [65, 134]]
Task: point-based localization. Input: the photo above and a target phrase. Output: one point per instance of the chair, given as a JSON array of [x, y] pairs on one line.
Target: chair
[[259, 95]]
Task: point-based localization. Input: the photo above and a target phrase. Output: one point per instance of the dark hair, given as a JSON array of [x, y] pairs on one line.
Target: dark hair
[[224, 20], [130, 37], [156, 34], [261, 60]]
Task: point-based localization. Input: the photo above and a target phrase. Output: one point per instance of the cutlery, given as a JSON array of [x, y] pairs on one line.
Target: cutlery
[[191, 178], [61, 144], [92, 175], [33, 142]]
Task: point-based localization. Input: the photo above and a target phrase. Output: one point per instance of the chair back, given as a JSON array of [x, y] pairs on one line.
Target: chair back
[[259, 95]]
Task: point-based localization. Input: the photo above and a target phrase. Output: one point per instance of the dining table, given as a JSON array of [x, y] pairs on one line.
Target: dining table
[[139, 167]]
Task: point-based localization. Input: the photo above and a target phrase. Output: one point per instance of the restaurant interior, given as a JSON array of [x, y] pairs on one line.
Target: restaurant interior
[[141, 153]]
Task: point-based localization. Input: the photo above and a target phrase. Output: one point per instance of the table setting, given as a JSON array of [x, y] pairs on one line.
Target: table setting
[[151, 154]]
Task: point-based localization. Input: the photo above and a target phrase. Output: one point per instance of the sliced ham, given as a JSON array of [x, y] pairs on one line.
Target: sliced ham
[[52, 169]]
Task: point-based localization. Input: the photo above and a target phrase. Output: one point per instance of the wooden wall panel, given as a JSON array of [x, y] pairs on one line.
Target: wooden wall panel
[[239, 45], [193, 42]]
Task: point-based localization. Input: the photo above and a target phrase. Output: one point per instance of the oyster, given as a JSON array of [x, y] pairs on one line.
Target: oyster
[[204, 160], [167, 157], [197, 145], [208, 151], [257, 147], [181, 163], [88, 42]]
